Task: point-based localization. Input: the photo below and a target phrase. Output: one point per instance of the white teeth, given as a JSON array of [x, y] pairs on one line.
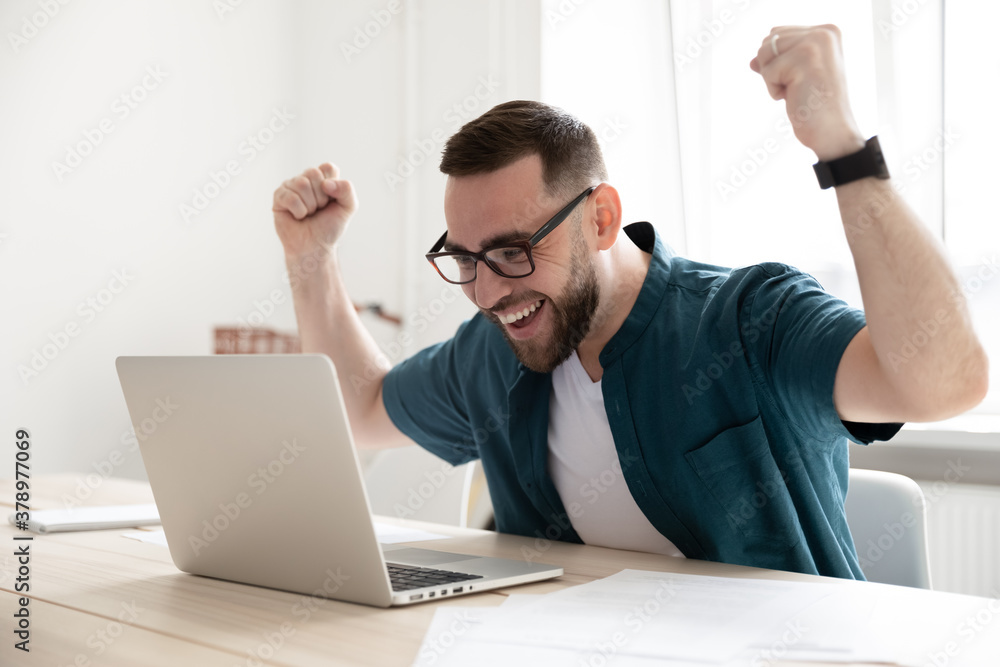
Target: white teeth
[[514, 317]]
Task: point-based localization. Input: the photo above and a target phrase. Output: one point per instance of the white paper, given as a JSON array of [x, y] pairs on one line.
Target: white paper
[[934, 628], [388, 533], [385, 533], [92, 518], [451, 640], [148, 536], [638, 618]]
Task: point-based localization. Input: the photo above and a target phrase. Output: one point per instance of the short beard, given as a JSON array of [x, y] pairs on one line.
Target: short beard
[[570, 323]]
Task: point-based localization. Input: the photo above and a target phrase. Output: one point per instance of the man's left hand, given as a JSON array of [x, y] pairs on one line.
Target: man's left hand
[[808, 73]]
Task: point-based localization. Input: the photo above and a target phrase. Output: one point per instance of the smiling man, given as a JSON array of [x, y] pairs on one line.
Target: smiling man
[[623, 396]]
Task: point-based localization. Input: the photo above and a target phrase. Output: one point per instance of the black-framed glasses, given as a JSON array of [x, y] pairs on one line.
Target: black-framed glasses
[[510, 260]]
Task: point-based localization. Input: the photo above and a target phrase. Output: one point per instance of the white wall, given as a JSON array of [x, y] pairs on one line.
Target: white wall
[[620, 81], [63, 239]]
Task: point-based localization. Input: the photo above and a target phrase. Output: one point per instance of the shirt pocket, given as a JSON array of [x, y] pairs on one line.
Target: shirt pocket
[[741, 474]]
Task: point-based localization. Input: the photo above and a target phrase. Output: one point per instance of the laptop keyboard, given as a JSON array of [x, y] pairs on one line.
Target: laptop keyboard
[[408, 577]]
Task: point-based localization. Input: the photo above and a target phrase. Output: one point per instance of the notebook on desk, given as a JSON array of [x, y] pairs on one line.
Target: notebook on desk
[[256, 479]]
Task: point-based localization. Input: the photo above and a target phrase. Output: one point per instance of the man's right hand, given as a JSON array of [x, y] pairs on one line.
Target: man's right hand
[[312, 210]]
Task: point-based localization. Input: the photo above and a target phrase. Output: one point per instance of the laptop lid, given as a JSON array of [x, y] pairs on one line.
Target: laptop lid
[[238, 447]]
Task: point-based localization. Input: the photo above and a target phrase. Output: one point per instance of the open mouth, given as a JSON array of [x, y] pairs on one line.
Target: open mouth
[[523, 323], [522, 318]]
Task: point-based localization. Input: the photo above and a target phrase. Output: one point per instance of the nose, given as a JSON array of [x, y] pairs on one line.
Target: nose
[[488, 287]]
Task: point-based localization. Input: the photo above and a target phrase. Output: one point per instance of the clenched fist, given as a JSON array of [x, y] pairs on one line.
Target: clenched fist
[[311, 211], [805, 67]]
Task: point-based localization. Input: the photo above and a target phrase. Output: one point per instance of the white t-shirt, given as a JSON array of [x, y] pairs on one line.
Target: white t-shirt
[[586, 471]]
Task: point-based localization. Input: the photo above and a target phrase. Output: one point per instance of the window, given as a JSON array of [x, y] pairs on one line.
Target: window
[[730, 184]]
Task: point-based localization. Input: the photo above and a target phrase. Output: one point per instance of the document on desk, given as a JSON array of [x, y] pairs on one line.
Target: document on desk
[[92, 518], [643, 618], [385, 533], [148, 536]]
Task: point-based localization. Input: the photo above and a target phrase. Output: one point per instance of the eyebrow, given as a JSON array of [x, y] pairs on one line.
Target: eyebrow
[[497, 239]]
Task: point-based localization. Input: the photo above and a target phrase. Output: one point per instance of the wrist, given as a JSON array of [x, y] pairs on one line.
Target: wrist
[[839, 146], [311, 267], [861, 164], [312, 258]]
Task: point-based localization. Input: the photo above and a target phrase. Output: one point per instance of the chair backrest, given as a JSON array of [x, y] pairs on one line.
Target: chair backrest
[[411, 483], [887, 516]]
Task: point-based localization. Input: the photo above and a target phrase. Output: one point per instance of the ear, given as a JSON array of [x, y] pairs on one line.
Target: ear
[[607, 215]]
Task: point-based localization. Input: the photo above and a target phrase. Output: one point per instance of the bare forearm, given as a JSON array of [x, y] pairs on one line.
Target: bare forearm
[[917, 316], [328, 324]]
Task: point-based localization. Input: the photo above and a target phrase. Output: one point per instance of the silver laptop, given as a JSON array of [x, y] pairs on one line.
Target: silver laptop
[[255, 475]]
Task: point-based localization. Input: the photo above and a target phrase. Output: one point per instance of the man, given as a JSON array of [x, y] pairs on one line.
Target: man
[[622, 396]]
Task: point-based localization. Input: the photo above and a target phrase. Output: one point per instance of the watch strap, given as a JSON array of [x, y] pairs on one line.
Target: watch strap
[[868, 161]]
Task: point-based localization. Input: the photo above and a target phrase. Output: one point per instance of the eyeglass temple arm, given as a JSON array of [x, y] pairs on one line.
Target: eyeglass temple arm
[[439, 244], [560, 216], [541, 233]]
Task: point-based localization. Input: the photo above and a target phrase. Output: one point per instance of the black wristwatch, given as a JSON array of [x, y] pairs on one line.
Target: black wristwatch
[[866, 162]]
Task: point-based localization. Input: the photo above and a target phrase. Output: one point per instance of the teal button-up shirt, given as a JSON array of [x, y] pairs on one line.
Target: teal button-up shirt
[[719, 391]]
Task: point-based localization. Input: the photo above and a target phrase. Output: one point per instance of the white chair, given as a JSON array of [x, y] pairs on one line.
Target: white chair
[[887, 516], [412, 483]]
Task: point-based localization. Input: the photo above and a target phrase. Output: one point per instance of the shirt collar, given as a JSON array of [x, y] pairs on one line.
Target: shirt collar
[[644, 235]]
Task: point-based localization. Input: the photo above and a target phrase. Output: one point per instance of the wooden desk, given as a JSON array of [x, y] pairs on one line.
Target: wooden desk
[[100, 599]]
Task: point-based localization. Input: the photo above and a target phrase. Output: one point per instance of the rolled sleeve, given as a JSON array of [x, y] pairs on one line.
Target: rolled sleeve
[[799, 334]]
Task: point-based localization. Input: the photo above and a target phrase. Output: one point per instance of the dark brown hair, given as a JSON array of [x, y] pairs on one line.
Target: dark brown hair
[[571, 157]]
